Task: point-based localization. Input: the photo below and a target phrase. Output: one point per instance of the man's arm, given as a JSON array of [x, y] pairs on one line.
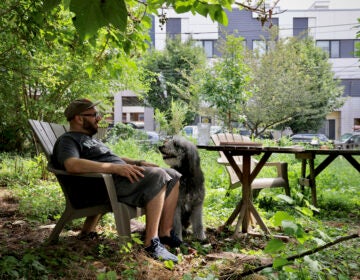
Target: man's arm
[[79, 165], [138, 162]]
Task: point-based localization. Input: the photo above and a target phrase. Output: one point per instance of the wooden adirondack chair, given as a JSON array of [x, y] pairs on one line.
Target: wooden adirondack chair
[[86, 195], [281, 180]]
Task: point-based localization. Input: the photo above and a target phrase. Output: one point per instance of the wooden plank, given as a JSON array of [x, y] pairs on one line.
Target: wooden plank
[[42, 137], [49, 134], [58, 129]]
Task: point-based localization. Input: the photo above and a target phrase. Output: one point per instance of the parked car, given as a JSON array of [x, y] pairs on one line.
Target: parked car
[[215, 129], [191, 131], [153, 137], [310, 138], [348, 141], [135, 125]]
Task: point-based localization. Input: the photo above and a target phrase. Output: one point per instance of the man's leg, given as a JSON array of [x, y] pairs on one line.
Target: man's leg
[[168, 211], [153, 212], [90, 223], [153, 246]]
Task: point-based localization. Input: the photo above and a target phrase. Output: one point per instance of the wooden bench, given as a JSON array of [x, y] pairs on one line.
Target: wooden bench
[[86, 195], [281, 180]]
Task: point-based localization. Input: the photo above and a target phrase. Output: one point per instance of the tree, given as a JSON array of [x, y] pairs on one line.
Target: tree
[[224, 84], [169, 74], [357, 45], [45, 65], [126, 20], [292, 85]]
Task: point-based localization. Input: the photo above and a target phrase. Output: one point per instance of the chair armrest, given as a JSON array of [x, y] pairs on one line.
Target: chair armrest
[[280, 166], [63, 172]]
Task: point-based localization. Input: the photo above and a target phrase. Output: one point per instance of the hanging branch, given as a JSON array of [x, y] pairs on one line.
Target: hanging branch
[[265, 13], [303, 254]]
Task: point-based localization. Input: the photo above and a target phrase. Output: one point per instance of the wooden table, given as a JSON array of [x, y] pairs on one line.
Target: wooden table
[[245, 209], [308, 158]]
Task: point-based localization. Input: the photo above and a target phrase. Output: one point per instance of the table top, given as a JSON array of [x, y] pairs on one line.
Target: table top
[[256, 149]]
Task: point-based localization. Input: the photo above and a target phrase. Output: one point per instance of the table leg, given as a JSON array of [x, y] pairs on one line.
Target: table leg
[[312, 182], [234, 214], [245, 209], [303, 173]]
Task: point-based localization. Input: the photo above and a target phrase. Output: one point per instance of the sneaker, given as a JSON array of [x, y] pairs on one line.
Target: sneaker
[[157, 251], [172, 241]]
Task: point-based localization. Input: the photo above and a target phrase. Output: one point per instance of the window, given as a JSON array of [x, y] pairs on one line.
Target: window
[[137, 117], [356, 48], [263, 47], [259, 46], [331, 47], [208, 46]]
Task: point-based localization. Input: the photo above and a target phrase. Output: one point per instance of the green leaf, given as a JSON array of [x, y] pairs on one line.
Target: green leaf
[[279, 262], [274, 246], [202, 9], [319, 241], [290, 228], [304, 210], [115, 12], [221, 17], [281, 216], [313, 265], [286, 198], [50, 4], [182, 7], [88, 17]]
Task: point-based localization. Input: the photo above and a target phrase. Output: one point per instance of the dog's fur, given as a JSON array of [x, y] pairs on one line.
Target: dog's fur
[[182, 155]]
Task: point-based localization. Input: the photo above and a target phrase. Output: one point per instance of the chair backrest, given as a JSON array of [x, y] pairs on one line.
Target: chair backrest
[[47, 133], [80, 191], [219, 138]]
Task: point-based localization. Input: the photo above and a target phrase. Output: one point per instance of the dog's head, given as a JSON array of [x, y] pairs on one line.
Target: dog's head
[[178, 152]]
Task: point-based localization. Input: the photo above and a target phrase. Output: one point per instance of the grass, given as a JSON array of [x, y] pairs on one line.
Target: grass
[[40, 203]]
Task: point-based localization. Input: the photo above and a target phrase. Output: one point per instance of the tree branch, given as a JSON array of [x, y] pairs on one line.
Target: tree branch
[[306, 253]]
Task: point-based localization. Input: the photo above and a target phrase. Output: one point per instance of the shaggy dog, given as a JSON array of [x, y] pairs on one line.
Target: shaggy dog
[[182, 155]]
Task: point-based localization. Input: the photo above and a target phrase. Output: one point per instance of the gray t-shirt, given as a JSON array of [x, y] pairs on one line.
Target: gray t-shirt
[[79, 145]]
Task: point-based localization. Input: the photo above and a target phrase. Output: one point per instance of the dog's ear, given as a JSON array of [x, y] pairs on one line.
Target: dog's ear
[[192, 157]]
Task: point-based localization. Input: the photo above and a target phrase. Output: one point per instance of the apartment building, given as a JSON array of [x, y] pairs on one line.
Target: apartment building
[[333, 24]]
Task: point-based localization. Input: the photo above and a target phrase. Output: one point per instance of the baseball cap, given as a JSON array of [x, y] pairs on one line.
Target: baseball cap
[[78, 106]]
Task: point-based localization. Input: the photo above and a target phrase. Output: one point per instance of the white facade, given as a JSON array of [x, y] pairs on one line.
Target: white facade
[[326, 20]]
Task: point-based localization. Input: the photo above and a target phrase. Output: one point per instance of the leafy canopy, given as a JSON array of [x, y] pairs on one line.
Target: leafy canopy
[[169, 73], [292, 85], [224, 84], [126, 16]]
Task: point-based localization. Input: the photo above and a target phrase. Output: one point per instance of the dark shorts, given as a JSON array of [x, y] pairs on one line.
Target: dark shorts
[[140, 193]]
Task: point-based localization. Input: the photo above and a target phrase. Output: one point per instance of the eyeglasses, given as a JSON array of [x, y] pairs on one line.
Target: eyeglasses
[[94, 115]]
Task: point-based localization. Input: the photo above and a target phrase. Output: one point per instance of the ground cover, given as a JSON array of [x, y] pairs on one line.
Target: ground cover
[[30, 203]]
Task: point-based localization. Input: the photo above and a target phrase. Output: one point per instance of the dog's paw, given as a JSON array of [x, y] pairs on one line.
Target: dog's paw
[[199, 236]]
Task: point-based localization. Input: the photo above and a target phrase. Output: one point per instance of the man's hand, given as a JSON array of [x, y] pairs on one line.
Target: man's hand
[[148, 164], [132, 172]]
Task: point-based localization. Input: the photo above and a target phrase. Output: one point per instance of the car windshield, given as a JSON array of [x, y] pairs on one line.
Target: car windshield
[[188, 130], [345, 137]]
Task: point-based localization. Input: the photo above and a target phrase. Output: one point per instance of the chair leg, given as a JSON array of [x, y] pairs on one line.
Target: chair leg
[[123, 220], [65, 217], [284, 173]]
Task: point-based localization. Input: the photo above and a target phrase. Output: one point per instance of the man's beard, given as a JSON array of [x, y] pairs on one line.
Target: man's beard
[[89, 127]]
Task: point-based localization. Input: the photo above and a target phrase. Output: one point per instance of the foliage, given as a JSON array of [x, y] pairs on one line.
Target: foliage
[[45, 66], [168, 73], [177, 114], [357, 44], [126, 17], [292, 85], [284, 215], [224, 84]]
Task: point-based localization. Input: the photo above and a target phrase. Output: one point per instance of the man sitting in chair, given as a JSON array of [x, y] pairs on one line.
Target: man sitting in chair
[[137, 183]]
